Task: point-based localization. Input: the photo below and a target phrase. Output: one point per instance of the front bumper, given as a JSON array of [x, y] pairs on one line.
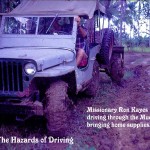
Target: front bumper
[[25, 107]]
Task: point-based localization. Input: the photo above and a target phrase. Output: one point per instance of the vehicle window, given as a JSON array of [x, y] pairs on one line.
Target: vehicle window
[[20, 25], [105, 22], [55, 25], [99, 22]]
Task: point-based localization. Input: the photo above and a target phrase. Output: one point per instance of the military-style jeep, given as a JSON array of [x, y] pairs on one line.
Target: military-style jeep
[[38, 61]]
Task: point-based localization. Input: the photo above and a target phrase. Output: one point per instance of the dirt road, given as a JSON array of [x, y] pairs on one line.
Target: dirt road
[[134, 92], [133, 95]]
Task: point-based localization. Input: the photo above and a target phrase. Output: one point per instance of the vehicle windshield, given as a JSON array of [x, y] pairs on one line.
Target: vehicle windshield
[[20, 25], [46, 25]]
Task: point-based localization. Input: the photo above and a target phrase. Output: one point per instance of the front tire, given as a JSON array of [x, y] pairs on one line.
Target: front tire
[[94, 84], [57, 108]]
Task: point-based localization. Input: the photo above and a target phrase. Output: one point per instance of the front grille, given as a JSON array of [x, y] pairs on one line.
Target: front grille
[[11, 76]]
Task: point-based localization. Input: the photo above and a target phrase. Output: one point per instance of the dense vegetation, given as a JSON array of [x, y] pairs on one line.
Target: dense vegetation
[[8, 5], [130, 20]]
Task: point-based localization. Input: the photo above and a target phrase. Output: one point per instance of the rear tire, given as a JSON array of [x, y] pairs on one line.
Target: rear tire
[[57, 108], [116, 69], [94, 84]]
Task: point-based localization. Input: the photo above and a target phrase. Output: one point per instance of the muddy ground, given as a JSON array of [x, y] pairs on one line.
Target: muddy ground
[[134, 91]]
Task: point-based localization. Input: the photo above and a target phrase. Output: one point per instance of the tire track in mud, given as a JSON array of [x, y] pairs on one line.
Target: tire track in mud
[[134, 92]]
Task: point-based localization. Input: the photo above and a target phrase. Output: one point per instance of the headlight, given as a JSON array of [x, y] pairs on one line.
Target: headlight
[[30, 69]]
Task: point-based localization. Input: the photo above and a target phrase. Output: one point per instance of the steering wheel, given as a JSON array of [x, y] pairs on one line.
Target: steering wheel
[[60, 32]]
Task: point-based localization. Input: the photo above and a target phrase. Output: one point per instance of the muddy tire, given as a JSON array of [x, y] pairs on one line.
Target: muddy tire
[[57, 108], [94, 84], [107, 46], [117, 69]]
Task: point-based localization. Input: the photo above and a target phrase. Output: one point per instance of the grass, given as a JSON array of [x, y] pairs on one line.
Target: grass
[[137, 49]]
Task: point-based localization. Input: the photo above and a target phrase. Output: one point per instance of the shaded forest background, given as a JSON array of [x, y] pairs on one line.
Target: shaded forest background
[[130, 20]]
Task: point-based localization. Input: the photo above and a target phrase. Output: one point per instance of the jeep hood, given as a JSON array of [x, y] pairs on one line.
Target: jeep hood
[[44, 57]]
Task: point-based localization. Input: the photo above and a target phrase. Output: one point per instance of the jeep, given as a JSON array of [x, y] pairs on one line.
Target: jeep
[[38, 71]]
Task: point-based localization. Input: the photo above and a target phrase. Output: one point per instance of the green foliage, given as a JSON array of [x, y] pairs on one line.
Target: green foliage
[[8, 5], [142, 42], [137, 49], [133, 14]]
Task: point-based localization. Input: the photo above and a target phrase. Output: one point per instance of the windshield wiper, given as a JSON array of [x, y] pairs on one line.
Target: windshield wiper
[[52, 23]]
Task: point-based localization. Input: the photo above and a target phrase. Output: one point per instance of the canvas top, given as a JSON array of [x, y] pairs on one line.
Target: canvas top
[[42, 7]]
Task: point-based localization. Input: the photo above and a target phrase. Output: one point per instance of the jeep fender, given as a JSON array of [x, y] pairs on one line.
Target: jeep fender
[[55, 71]]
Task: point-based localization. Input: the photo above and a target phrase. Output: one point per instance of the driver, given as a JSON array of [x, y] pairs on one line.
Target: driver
[[56, 27]]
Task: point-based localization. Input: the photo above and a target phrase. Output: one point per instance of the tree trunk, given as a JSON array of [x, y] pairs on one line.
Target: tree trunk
[[149, 32], [138, 21], [121, 20], [149, 24]]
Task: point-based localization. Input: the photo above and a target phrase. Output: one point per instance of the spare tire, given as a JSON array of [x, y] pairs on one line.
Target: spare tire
[[105, 53]]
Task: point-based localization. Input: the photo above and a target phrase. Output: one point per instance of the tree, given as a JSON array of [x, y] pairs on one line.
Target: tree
[[118, 9], [133, 14], [8, 5], [146, 13]]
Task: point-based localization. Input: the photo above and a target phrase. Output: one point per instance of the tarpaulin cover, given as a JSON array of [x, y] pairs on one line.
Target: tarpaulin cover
[[75, 7]]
